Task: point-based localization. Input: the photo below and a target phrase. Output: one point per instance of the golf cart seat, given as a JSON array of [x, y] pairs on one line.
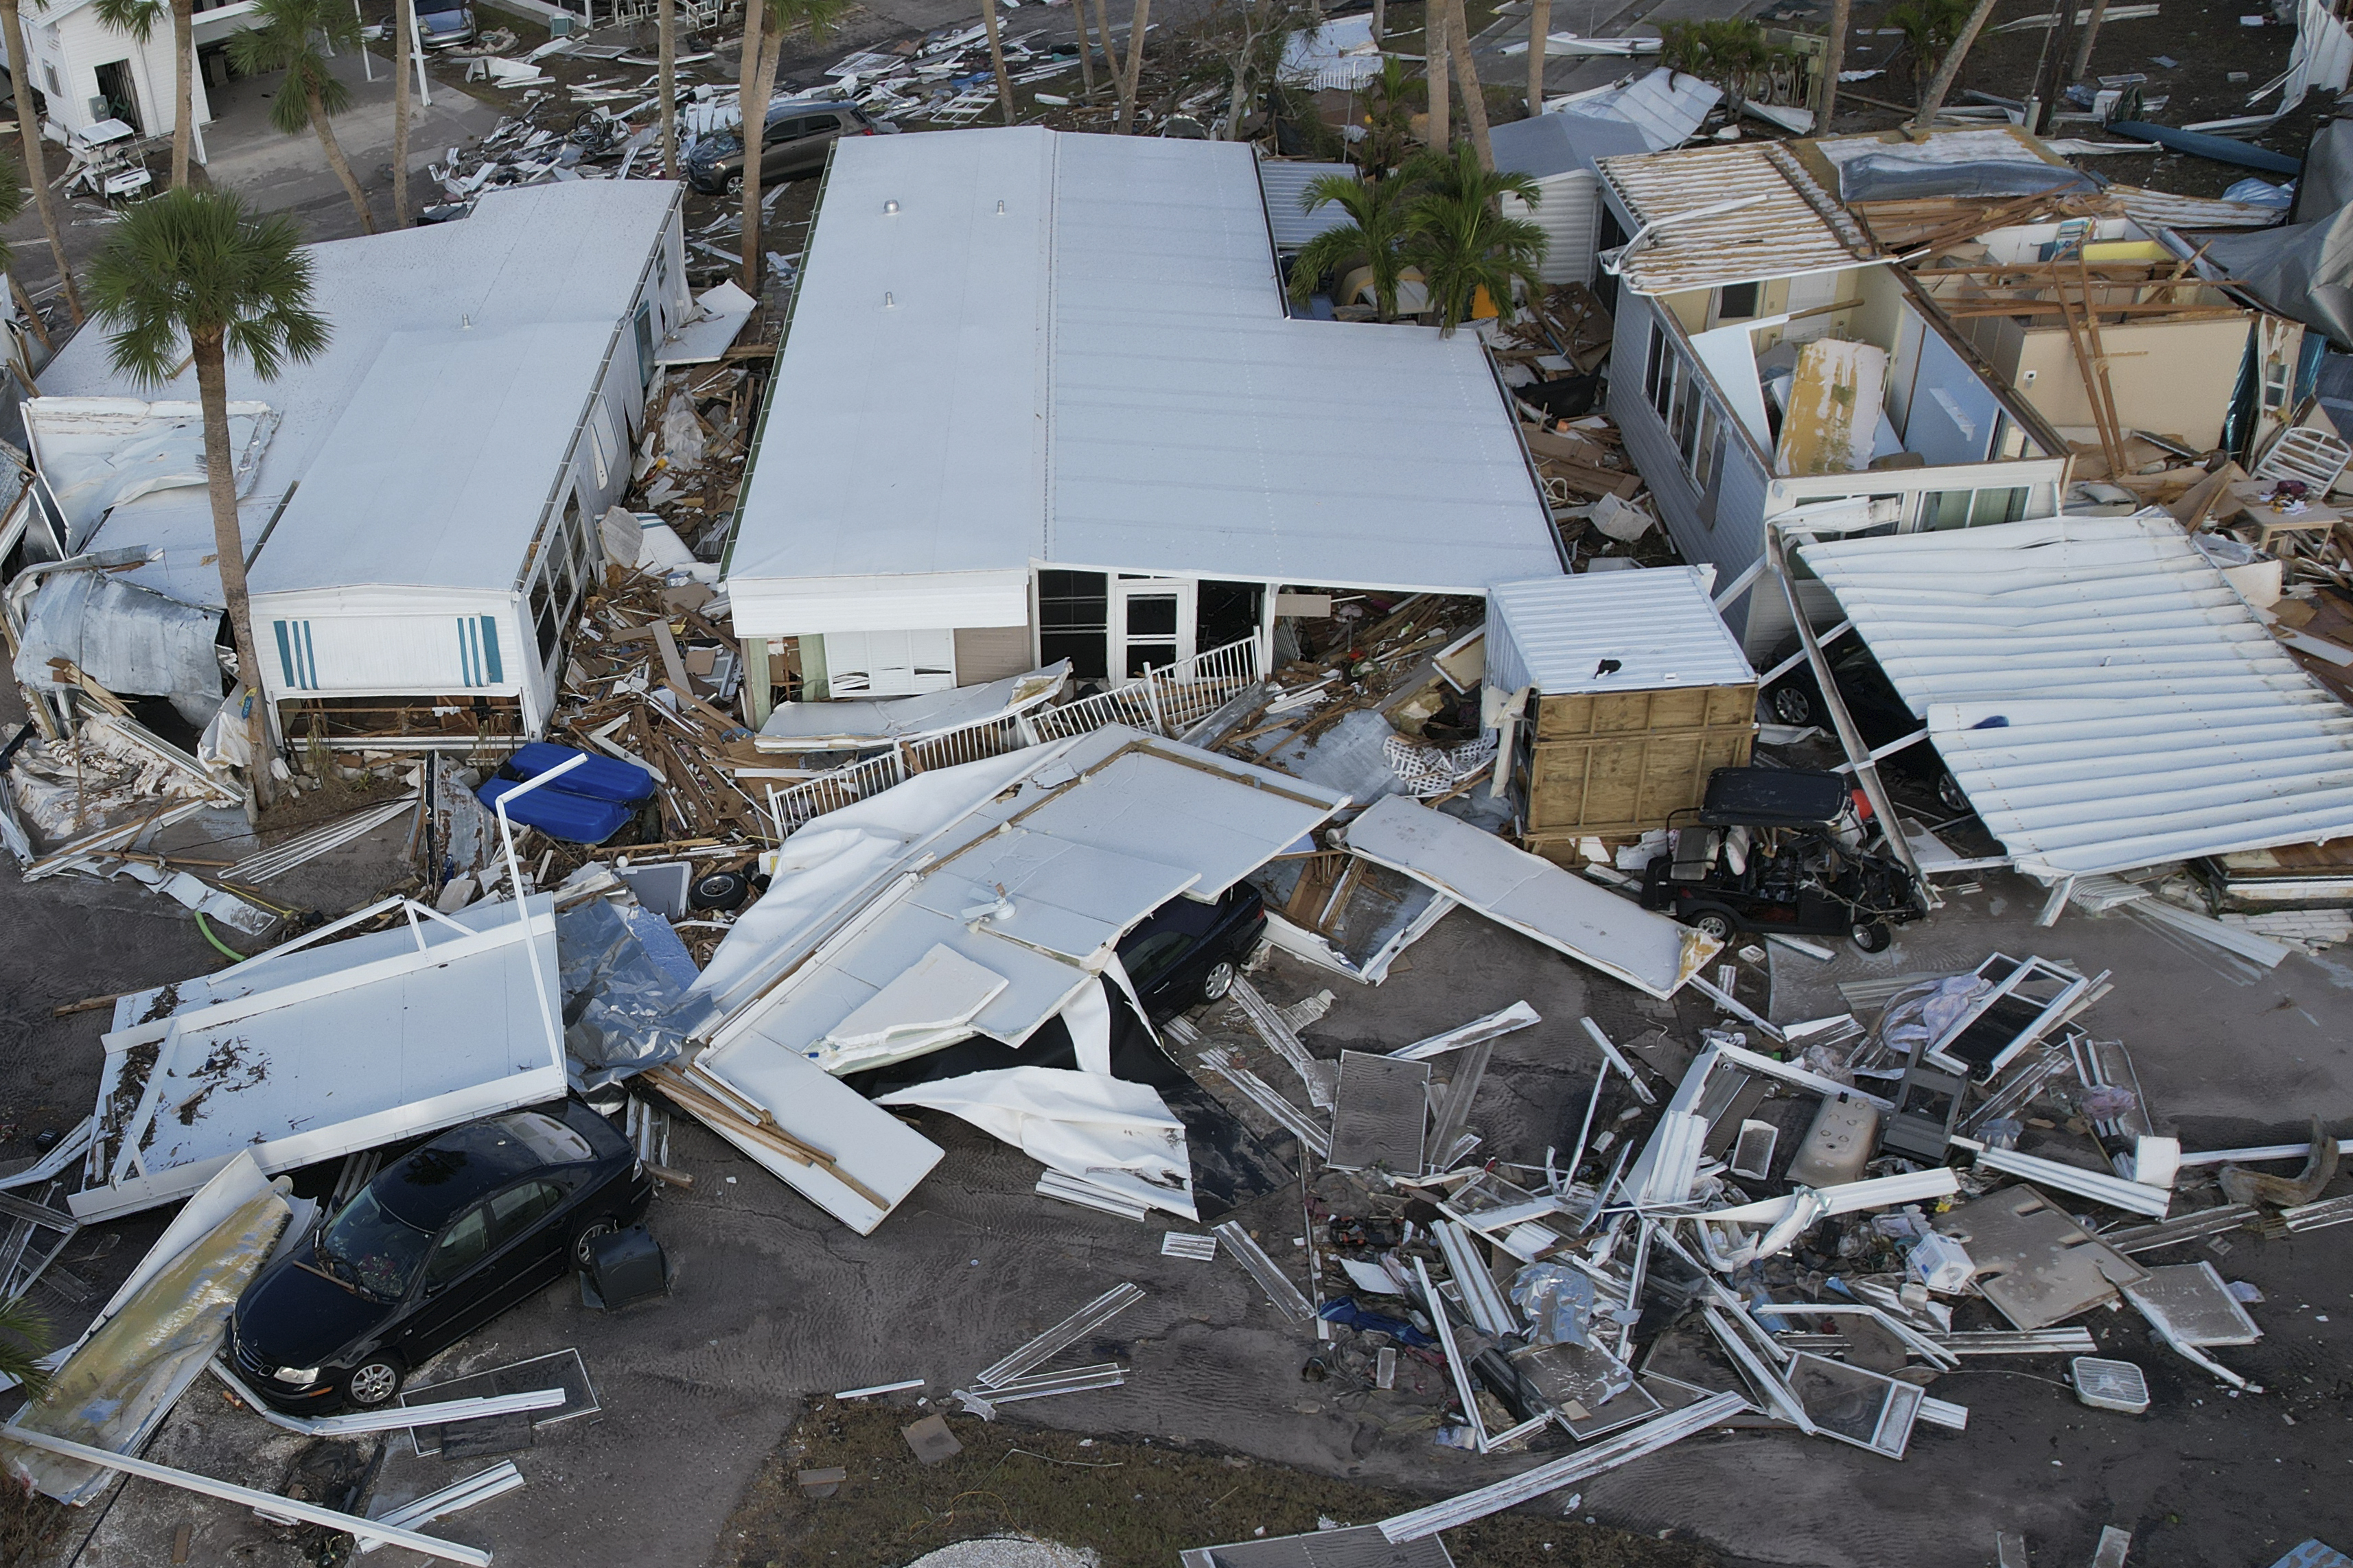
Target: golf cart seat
[[1772, 797]]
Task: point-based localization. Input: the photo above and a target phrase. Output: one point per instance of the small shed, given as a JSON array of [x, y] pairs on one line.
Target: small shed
[[1636, 692], [1557, 151]]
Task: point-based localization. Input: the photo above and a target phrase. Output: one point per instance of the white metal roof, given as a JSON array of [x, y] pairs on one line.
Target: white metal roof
[[437, 473], [568, 252], [2107, 701], [1657, 626], [1012, 346], [1793, 227]]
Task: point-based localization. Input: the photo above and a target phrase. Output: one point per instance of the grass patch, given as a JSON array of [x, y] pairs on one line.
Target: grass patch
[[1136, 1503]]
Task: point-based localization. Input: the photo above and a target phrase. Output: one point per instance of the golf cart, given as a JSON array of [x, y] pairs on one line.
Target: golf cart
[[1777, 850]]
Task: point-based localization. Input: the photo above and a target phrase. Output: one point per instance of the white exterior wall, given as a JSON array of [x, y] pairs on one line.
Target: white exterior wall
[[1570, 212], [68, 48]]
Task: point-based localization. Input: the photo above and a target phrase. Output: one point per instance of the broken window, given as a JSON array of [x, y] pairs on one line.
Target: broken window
[[1736, 302]]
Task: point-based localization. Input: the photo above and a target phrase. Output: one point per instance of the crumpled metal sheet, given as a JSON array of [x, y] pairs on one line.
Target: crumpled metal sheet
[[624, 1009], [131, 640], [2304, 270], [126, 1375]]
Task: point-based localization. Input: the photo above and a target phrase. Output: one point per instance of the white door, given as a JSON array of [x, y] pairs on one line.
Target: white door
[[1151, 624]]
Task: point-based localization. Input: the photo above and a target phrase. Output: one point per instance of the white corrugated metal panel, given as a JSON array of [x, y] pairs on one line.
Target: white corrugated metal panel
[[1568, 209], [1794, 227], [2104, 697], [1667, 106], [1109, 383], [1656, 624], [1284, 184], [916, 601]]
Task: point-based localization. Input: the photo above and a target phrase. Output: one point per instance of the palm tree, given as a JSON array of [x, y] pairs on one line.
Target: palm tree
[[1389, 120], [761, 53], [1949, 67], [1374, 234], [1474, 97], [996, 58], [1134, 78], [288, 39], [1539, 34], [23, 1332], [666, 83], [1457, 236], [191, 273], [404, 18], [28, 126], [137, 18], [1734, 55]]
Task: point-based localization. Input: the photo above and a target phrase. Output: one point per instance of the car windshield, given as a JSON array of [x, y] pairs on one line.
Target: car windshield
[[366, 1246]]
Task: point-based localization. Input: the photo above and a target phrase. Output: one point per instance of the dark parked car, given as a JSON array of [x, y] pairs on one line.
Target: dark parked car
[[476, 1220], [1877, 710], [799, 135], [1187, 952]]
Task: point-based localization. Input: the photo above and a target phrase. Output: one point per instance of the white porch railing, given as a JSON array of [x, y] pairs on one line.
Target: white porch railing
[[1163, 701]]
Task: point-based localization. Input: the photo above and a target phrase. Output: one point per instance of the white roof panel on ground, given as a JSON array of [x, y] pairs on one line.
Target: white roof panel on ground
[[1656, 626], [2104, 697], [1108, 380]]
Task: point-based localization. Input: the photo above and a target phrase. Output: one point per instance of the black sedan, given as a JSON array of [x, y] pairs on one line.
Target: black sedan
[[1186, 952], [476, 1220], [1878, 712]]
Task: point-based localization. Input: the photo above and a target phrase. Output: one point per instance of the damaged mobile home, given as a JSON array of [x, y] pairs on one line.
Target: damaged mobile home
[[419, 503]]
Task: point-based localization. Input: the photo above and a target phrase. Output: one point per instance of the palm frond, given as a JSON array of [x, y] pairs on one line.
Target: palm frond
[[135, 18], [24, 1336], [189, 264]]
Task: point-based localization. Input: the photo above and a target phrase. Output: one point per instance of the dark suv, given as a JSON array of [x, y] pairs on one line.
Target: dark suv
[[798, 134]]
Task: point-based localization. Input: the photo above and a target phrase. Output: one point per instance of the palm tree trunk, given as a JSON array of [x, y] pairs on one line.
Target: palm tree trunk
[[335, 160], [752, 131], [1110, 52], [2082, 60], [1833, 61], [1086, 50], [1474, 100], [1135, 66], [763, 87], [28, 125], [228, 545], [1434, 57], [184, 88], [1539, 33], [1380, 17], [1949, 66], [996, 58], [666, 83], [402, 12]]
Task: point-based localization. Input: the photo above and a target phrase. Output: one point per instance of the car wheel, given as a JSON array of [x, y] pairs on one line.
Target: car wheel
[[721, 890], [734, 186], [1792, 705], [1951, 795], [374, 1382], [1871, 936], [1716, 922], [583, 1242], [1218, 980]]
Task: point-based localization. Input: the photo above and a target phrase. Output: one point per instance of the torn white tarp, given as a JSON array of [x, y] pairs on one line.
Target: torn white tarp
[[155, 1336], [722, 312], [1532, 896], [312, 1050], [129, 640], [2103, 696], [96, 453], [1106, 1132], [851, 726]]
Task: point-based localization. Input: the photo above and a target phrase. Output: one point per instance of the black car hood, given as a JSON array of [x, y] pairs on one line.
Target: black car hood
[[292, 1317]]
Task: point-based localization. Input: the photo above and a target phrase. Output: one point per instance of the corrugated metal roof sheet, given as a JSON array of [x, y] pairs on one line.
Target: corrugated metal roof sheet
[[2107, 701], [1285, 183], [1657, 625], [1795, 227]]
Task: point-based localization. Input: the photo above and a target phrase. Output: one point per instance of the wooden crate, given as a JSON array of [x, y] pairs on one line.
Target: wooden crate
[[1616, 764]]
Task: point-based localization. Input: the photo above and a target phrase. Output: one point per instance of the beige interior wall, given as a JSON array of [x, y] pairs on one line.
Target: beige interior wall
[[2174, 378]]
